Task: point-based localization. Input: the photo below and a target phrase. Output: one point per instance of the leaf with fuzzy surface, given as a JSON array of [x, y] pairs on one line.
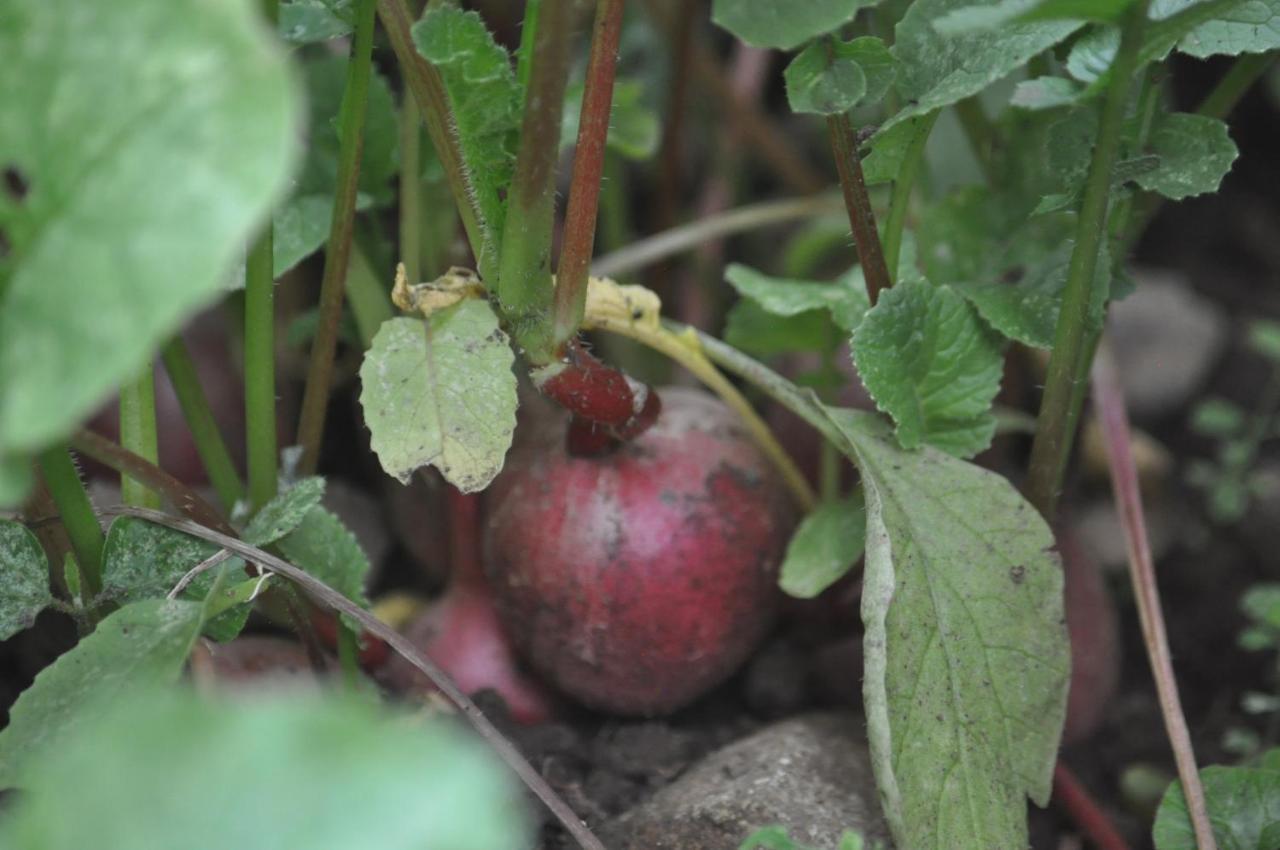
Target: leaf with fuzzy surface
[[284, 513], [323, 546], [967, 658], [24, 578], [1249, 26], [1243, 804], [937, 70], [784, 24], [1195, 152], [441, 392], [931, 363], [485, 100]]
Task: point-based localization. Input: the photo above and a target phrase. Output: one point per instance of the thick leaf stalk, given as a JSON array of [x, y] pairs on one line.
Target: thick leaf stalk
[[78, 518], [862, 220]]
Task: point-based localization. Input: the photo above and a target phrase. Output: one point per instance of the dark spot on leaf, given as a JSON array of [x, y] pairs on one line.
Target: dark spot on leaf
[[1017, 573], [16, 185], [1013, 275]]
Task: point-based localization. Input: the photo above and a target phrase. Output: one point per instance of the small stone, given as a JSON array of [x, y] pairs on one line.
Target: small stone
[[810, 774], [1166, 339]]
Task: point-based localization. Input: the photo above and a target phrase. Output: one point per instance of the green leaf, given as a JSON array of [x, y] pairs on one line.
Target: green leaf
[[1216, 417], [995, 15], [1243, 804], [1045, 93], [301, 226], [846, 302], [1013, 270], [164, 768], [784, 24], [326, 76], [634, 130], [1261, 603], [441, 392], [753, 329], [888, 149], [932, 364], [937, 70], [24, 579], [830, 76], [826, 546], [284, 513], [324, 547], [485, 99], [142, 560], [152, 139], [1264, 338], [1195, 153], [309, 21], [140, 644], [1250, 26], [967, 659]]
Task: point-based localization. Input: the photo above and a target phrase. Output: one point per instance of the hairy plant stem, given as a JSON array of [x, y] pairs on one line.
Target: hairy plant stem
[[862, 220], [355, 98], [1109, 399], [1055, 425], [424, 83], [570, 297], [903, 185], [261, 439], [524, 284], [332, 599], [81, 523], [204, 428], [138, 433], [687, 237]]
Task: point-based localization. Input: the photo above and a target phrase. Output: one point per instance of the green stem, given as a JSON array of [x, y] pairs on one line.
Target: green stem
[[615, 218], [78, 518], [900, 201], [528, 35], [410, 191], [368, 298], [348, 655], [1232, 87], [204, 428], [138, 434], [1055, 431], [261, 447], [862, 220], [355, 99], [570, 299], [524, 287]]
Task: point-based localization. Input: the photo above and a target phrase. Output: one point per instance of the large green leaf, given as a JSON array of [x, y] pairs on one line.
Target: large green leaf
[[826, 546], [485, 100], [931, 363], [937, 70], [1249, 26], [1195, 152], [151, 138], [1243, 803], [966, 655], [994, 15], [24, 578], [783, 23], [165, 769], [140, 644], [441, 392], [142, 560]]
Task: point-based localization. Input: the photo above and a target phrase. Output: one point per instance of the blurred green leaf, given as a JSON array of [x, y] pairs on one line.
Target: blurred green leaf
[[151, 138], [824, 547], [784, 24], [309, 21], [754, 330], [165, 769], [1216, 417], [1251, 26], [830, 76], [1264, 338], [634, 129]]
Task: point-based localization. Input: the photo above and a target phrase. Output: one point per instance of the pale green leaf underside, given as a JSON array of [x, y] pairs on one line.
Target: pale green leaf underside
[[784, 24], [441, 392], [153, 138], [140, 644], [284, 513], [937, 70], [826, 545], [167, 769], [1195, 152], [1243, 803], [967, 659], [142, 560], [929, 362], [24, 578]]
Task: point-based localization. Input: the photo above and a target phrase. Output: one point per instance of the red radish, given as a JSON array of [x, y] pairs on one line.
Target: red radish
[[1091, 624], [638, 580], [462, 634]]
